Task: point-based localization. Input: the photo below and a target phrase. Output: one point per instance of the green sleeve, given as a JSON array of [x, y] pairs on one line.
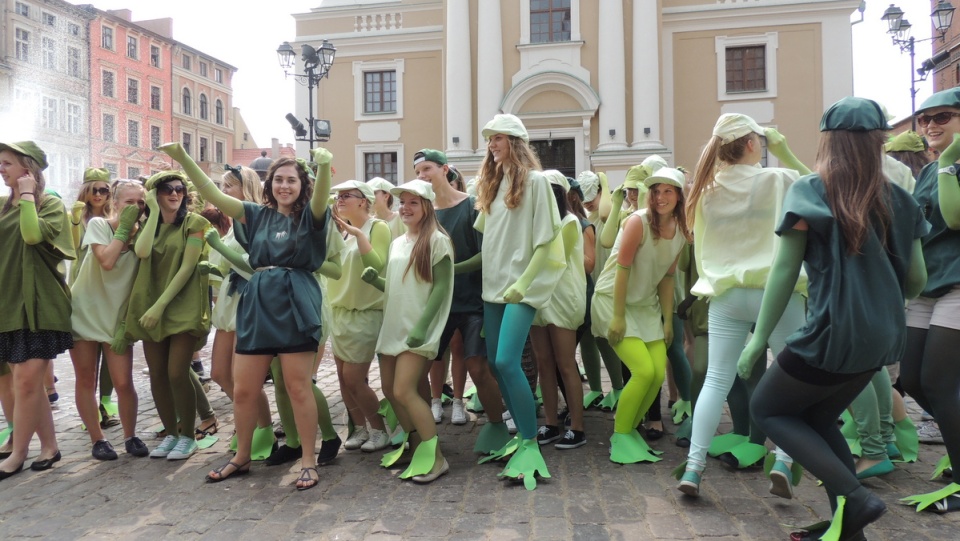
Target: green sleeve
[[949, 199], [475, 263], [380, 241], [331, 268], [781, 283], [30, 223], [917, 273], [442, 286], [230, 206], [538, 262], [569, 233], [191, 256], [321, 194], [144, 244], [612, 226], [235, 258]]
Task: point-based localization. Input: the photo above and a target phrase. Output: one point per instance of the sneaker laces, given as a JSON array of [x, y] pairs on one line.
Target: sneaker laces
[[543, 430], [569, 435], [183, 445], [169, 442]]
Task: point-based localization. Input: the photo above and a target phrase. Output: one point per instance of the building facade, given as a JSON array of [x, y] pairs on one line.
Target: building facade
[[599, 85], [44, 84]]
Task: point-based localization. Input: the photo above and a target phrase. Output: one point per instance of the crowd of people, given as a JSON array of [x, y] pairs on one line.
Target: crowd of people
[[846, 270]]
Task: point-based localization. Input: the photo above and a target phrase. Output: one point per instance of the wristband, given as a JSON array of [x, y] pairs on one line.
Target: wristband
[[624, 267], [26, 193]]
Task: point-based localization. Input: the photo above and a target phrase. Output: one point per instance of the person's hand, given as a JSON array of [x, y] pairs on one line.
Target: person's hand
[[206, 268], [76, 212], [369, 275], [514, 294], [668, 331], [616, 330], [751, 352], [151, 200], [151, 317], [321, 156], [684, 307], [27, 184], [776, 142], [951, 154], [351, 230], [417, 337], [174, 150], [127, 221], [212, 236], [618, 196]]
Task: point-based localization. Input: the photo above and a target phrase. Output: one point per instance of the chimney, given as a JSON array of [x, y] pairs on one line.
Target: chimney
[[275, 148]]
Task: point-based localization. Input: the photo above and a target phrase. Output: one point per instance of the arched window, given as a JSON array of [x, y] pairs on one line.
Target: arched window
[[187, 107], [203, 107], [219, 112]]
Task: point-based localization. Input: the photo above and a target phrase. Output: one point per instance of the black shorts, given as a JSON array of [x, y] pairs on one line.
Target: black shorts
[[470, 327], [313, 345]]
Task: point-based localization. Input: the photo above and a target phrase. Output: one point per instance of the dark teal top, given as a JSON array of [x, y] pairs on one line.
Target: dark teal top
[[855, 311], [280, 307], [458, 222], [941, 246]]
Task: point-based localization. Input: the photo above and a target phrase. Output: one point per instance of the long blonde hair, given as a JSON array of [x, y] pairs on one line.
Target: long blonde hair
[[420, 256], [707, 167], [249, 182], [518, 164], [86, 191]]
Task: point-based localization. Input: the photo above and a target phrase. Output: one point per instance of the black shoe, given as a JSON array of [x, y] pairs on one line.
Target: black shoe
[[547, 434], [46, 463], [136, 447], [284, 454], [654, 434], [448, 390], [862, 508], [5, 454], [6, 474], [328, 451], [571, 440], [683, 442], [102, 450], [279, 432]]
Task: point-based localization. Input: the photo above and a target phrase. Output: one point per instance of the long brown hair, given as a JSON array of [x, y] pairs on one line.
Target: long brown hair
[[306, 187], [420, 259], [707, 167], [38, 193], [851, 166], [679, 215], [518, 164], [914, 160]]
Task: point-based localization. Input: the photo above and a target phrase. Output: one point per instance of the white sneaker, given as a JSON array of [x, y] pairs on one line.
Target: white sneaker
[[379, 439], [508, 419], [436, 408], [165, 447], [357, 439], [185, 448], [458, 414]]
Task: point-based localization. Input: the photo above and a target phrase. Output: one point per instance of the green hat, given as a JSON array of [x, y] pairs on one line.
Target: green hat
[[666, 175], [418, 187], [152, 182], [381, 184], [27, 148], [732, 126], [430, 155], [908, 141], [506, 124], [944, 98], [364, 188], [854, 114], [95, 174], [589, 185], [558, 178]]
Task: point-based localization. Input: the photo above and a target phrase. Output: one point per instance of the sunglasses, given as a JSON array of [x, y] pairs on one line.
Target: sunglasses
[[100, 191], [346, 195], [939, 119], [167, 189]]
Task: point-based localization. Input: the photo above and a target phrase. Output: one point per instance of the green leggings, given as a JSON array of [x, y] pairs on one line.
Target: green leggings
[[647, 362], [506, 327], [285, 409], [873, 413], [170, 382]]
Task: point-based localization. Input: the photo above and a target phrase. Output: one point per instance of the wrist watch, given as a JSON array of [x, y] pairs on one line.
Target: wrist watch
[[949, 170]]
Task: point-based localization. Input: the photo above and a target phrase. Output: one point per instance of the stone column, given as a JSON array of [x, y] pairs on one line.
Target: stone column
[[611, 74], [458, 80], [646, 75], [489, 64]]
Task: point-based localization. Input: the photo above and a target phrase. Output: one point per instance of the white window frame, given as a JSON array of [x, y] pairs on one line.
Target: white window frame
[[525, 23], [139, 94], [48, 53], [20, 7], [74, 63], [49, 113], [159, 139], [74, 119], [359, 68], [133, 40], [159, 57], [139, 124], [22, 42], [48, 19], [113, 37], [103, 117], [769, 41], [361, 151]]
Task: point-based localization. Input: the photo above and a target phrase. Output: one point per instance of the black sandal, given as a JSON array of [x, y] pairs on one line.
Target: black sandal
[[307, 478], [237, 471]]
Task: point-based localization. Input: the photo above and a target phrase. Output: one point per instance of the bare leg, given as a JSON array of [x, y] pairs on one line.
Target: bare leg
[[84, 356], [32, 413]]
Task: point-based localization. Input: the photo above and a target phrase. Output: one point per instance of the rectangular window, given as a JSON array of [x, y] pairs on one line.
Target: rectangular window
[[50, 115], [73, 29], [219, 151], [133, 133], [49, 53], [109, 128], [381, 164], [218, 75], [73, 62], [74, 166], [108, 84], [132, 47], [203, 69], [746, 69], [156, 137], [133, 172], [155, 98], [23, 9], [23, 45], [49, 19], [549, 21], [74, 118], [155, 56], [112, 167], [133, 91], [380, 92], [203, 149], [106, 38], [186, 143], [186, 62]]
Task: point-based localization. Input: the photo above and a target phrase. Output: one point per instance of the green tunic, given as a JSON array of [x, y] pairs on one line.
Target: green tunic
[[189, 311], [35, 295], [942, 244], [458, 222], [855, 317]]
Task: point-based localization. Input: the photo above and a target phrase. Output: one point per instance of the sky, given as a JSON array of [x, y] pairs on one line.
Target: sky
[[246, 35]]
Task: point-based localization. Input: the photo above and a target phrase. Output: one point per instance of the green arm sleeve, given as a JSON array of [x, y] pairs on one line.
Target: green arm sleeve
[[380, 243], [144, 244], [30, 223], [191, 255], [537, 263], [230, 206], [475, 263], [612, 226], [374, 279], [235, 258], [331, 268], [603, 208], [917, 273], [949, 199], [321, 194], [777, 144], [442, 285]]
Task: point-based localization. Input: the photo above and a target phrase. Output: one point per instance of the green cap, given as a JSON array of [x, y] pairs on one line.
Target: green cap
[[908, 141], [944, 98], [152, 182], [666, 175], [558, 178], [506, 124], [430, 155], [363, 187], [854, 114], [417, 187], [95, 174], [381, 184], [27, 148]]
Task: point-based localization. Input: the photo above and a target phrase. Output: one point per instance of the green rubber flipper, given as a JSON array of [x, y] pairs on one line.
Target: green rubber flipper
[[207, 442], [399, 437], [836, 525], [849, 428], [630, 449], [262, 445], [233, 444], [508, 449], [723, 443], [539, 397], [907, 440], [493, 436], [855, 447], [922, 501], [109, 406], [444, 399], [942, 466], [473, 400], [591, 397], [389, 417], [392, 457], [685, 428], [527, 464], [677, 472], [424, 458], [748, 454], [470, 392], [681, 410], [609, 402], [5, 433]]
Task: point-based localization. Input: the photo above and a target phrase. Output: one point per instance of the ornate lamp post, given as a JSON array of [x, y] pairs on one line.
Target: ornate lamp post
[[316, 64]]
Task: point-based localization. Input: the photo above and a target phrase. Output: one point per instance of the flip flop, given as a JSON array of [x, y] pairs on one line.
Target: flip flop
[[307, 478], [237, 471]]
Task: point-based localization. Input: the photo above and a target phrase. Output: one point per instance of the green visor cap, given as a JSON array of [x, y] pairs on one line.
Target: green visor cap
[[27, 148], [944, 98], [152, 182], [666, 175], [430, 155], [96, 174], [506, 124], [417, 187], [908, 141], [854, 114]]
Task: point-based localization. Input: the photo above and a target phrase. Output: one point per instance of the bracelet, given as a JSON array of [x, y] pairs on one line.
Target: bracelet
[[26, 193]]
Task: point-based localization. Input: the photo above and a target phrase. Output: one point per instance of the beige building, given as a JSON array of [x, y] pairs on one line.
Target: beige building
[[599, 84]]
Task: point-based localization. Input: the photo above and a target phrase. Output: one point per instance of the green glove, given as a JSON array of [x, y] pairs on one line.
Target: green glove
[[542, 257], [777, 145], [128, 218], [212, 236], [751, 353], [152, 316], [372, 277], [151, 200], [207, 268], [76, 212], [321, 156], [951, 154]]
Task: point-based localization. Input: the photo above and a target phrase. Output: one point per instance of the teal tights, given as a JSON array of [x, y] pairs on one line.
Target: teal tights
[[506, 327]]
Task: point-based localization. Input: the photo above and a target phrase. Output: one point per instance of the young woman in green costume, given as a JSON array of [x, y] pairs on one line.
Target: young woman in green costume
[[858, 236], [418, 291], [383, 208], [169, 307], [35, 321], [100, 292]]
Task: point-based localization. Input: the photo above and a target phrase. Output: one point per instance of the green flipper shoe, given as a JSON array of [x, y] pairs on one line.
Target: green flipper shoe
[[393, 457], [5, 433], [630, 449], [593, 399], [493, 436], [508, 449], [109, 405], [263, 442], [907, 440], [399, 437], [923, 501], [423, 459], [527, 464], [942, 466], [748, 454], [473, 403], [389, 417], [836, 524], [724, 443], [233, 444], [609, 402], [681, 410]]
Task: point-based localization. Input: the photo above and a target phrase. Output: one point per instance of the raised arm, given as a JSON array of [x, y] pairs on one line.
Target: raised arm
[[948, 186], [321, 190], [191, 255], [108, 254], [230, 206], [612, 226], [777, 144], [144, 244]]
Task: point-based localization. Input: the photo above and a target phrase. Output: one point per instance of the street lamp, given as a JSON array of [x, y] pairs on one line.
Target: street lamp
[[316, 64], [899, 30]]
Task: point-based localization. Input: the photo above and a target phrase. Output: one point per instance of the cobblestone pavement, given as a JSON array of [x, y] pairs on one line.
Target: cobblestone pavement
[[587, 498]]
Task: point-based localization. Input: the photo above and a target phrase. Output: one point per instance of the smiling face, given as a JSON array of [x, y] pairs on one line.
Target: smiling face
[[664, 198], [129, 194], [499, 147], [352, 204], [632, 195], [99, 195], [286, 187], [430, 171], [170, 195], [11, 168], [411, 209], [939, 136]]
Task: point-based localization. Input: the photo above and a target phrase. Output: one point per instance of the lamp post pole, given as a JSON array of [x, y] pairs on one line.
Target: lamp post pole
[[316, 65]]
